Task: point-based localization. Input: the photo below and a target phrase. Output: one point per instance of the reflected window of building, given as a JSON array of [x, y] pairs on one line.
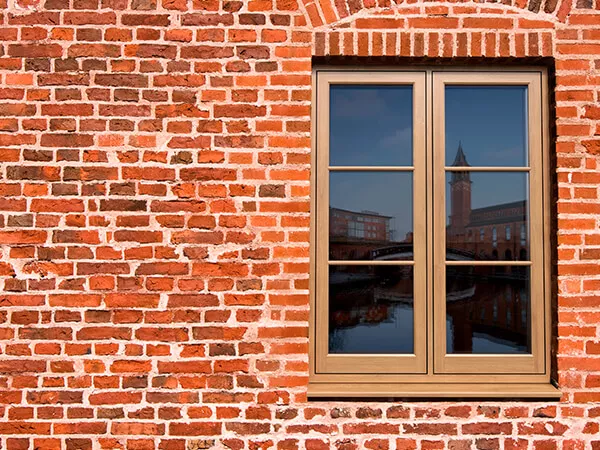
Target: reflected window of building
[[507, 232], [494, 237], [523, 255], [360, 229], [481, 234]]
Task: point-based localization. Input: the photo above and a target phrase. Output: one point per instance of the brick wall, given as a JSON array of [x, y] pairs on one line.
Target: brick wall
[[154, 213]]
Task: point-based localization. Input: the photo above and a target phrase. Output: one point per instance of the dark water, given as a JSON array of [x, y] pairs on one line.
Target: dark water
[[371, 310]]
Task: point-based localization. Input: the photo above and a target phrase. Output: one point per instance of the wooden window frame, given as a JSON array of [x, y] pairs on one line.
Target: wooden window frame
[[363, 364], [429, 372]]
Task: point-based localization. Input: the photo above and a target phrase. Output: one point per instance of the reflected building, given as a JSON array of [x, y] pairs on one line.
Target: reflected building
[[488, 233], [371, 306], [359, 225], [487, 310], [355, 234], [487, 306]]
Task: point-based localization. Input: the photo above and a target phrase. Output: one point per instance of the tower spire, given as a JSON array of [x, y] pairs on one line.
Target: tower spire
[[460, 160]]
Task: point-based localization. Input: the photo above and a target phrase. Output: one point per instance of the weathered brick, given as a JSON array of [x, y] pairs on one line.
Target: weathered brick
[[156, 196]]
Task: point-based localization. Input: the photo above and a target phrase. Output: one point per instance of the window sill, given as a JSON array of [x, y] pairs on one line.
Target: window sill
[[428, 390]]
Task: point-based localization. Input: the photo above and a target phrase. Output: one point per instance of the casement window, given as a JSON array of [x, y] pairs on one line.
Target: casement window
[[408, 166]]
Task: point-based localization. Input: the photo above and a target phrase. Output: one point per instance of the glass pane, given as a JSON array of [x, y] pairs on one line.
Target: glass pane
[[488, 310], [371, 309], [489, 125], [370, 215], [487, 216], [370, 125]]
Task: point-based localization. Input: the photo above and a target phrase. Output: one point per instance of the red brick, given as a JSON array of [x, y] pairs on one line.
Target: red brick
[[35, 50], [488, 23], [157, 196], [115, 398], [23, 237], [195, 429], [28, 428]]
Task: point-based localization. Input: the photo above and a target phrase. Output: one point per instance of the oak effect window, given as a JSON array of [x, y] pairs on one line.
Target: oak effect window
[[408, 167]]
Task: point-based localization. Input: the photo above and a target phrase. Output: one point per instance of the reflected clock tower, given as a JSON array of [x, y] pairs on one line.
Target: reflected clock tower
[[460, 196]]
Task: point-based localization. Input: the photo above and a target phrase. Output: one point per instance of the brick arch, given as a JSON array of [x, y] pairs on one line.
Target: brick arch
[[328, 13], [439, 29]]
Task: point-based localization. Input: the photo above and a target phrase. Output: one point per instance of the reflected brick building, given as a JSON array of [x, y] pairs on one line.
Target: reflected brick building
[[486, 301], [493, 232], [361, 225], [354, 234]]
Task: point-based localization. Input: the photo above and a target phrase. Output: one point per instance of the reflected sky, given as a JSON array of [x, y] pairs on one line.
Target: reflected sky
[[370, 125], [491, 123]]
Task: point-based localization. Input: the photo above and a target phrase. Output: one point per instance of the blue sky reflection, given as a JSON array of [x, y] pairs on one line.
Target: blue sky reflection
[[370, 125], [491, 122]]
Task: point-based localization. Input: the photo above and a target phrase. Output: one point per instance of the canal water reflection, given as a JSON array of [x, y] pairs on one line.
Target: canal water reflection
[[371, 310]]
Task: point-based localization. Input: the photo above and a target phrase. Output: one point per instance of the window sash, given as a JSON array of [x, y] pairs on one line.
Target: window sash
[[473, 364], [352, 363]]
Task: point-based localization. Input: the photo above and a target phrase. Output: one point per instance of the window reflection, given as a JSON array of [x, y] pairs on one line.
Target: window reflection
[[491, 204], [371, 309], [487, 310], [370, 217], [371, 125], [491, 121], [487, 306]]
